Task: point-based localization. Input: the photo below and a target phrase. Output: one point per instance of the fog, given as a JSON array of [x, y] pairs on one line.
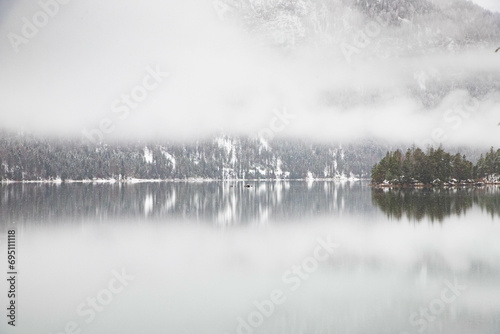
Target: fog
[[193, 279], [224, 77]]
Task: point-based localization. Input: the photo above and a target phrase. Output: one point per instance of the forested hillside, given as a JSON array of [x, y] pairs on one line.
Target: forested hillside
[[356, 31], [29, 158]]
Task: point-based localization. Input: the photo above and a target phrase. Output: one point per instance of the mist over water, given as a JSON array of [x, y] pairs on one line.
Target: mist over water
[[195, 275], [195, 279]]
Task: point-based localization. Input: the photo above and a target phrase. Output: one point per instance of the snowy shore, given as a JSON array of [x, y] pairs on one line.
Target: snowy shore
[[341, 178]]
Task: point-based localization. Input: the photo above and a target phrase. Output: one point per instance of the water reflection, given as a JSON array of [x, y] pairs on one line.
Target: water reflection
[[226, 204], [215, 202], [436, 204]]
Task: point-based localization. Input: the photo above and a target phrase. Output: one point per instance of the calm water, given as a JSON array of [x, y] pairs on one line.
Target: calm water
[[288, 257]]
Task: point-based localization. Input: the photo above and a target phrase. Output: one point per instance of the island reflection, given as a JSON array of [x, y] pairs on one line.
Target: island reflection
[[436, 203]]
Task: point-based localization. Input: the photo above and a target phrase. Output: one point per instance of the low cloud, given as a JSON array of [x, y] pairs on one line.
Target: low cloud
[[224, 77]]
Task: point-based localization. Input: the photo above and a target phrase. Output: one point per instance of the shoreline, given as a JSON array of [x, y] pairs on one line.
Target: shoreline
[[477, 184], [188, 180]]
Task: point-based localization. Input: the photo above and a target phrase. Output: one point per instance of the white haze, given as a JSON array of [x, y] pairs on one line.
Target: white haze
[[195, 279], [222, 79]]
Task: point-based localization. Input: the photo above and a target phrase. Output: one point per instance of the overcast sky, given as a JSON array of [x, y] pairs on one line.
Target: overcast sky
[[74, 75]]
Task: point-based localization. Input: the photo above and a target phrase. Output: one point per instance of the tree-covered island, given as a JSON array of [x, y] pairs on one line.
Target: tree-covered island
[[435, 167]]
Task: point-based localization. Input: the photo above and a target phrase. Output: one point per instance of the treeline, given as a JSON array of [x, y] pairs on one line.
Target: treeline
[[434, 167], [29, 158]]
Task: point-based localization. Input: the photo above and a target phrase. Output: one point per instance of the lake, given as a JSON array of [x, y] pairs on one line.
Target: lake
[[276, 257]]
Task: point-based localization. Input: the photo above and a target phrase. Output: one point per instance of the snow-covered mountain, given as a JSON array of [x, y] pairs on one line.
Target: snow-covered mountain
[[428, 42], [223, 157], [404, 26], [24, 157]]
